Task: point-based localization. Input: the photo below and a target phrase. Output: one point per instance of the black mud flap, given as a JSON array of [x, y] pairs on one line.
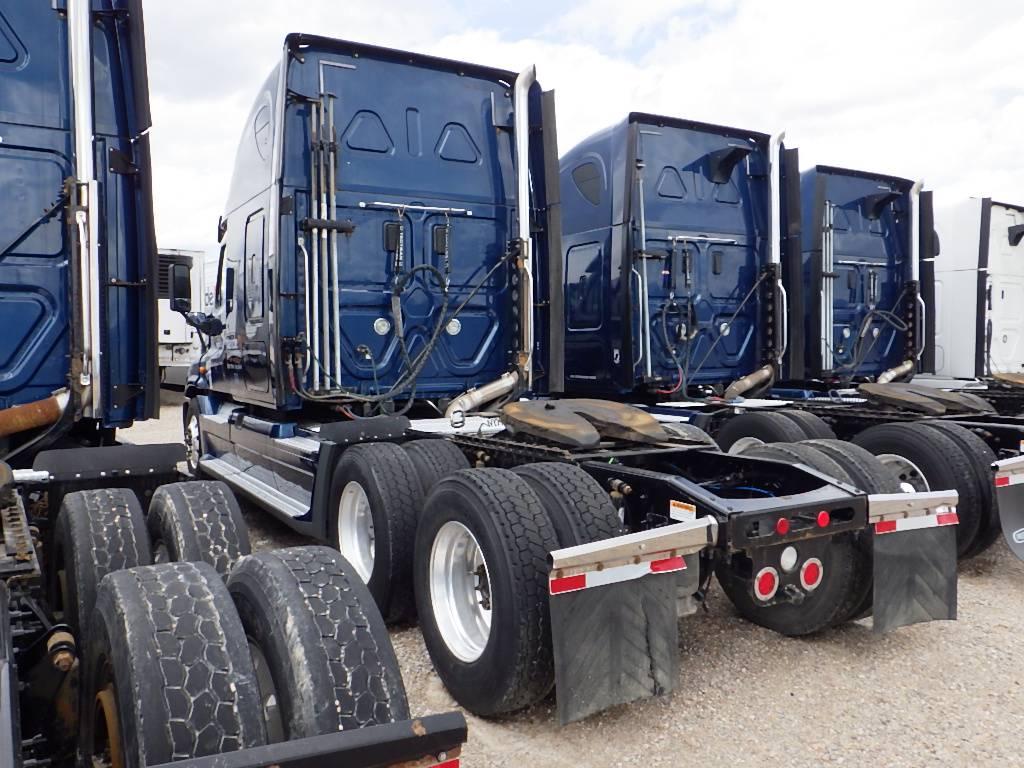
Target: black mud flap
[[915, 577], [614, 644], [1009, 482]]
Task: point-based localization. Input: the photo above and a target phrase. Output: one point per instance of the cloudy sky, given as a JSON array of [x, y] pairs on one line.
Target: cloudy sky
[[929, 89]]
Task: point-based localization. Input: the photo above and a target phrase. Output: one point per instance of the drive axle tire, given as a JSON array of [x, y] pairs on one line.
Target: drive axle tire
[[930, 460], [865, 470], [97, 532], [322, 654], [755, 427], [981, 457], [167, 673], [375, 502], [197, 521], [580, 509], [871, 476], [482, 589], [814, 427], [434, 459], [826, 606], [801, 454]]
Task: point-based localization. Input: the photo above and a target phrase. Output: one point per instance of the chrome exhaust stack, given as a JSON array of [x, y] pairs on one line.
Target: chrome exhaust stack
[[469, 401], [521, 108], [775, 238]]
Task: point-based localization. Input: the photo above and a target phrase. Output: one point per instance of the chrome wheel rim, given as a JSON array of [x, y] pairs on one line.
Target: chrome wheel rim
[[460, 591], [910, 476], [355, 529], [744, 444], [193, 449]]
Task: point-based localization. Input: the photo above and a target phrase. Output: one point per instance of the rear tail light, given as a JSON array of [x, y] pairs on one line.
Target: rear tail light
[[766, 584], [824, 518], [811, 573], [782, 526]]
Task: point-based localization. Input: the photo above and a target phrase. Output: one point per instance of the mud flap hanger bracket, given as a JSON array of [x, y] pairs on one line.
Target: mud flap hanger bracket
[[613, 613], [914, 557]]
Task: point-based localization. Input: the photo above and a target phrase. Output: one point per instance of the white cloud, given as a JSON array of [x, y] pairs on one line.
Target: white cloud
[[914, 88]]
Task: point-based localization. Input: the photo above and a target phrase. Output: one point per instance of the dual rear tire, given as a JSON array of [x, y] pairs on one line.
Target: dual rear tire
[[489, 635], [176, 663]]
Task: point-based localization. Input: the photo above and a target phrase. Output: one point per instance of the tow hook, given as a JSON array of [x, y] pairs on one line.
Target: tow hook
[[794, 594]]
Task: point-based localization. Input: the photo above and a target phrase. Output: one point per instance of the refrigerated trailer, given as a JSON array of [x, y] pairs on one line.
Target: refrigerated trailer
[[382, 307], [132, 638], [707, 279], [177, 342]]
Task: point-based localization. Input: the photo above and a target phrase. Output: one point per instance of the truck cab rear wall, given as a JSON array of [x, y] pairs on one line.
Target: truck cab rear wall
[[422, 156]]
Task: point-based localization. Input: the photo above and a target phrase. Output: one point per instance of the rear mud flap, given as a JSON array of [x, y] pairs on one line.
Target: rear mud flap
[[1009, 482], [915, 577], [614, 608], [914, 546], [614, 644]]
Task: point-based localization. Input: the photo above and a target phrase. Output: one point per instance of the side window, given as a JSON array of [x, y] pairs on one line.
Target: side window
[[253, 266], [584, 287], [588, 181]]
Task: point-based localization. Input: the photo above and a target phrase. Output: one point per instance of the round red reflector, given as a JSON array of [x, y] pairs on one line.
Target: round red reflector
[[766, 583], [824, 518], [811, 573], [782, 526]]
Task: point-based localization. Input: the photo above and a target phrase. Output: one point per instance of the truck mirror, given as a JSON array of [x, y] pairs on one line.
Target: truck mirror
[[181, 288]]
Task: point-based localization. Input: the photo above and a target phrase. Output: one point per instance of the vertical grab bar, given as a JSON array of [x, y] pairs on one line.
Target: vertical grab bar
[[314, 204], [325, 356], [336, 304]]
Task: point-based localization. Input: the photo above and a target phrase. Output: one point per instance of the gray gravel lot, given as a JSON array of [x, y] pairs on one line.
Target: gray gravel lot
[[934, 694]]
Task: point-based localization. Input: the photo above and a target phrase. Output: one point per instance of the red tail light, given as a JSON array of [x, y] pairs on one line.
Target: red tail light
[[824, 518], [782, 526], [811, 573], [766, 584]]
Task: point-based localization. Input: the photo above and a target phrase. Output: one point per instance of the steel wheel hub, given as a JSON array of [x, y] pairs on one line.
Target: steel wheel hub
[[460, 591], [909, 474]]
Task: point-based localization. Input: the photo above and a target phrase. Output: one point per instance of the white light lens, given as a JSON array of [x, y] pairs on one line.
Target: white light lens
[[788, 559]]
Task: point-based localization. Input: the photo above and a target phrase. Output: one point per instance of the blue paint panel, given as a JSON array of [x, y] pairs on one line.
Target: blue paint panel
[[872, 251], [412, 131], [707, 241], [35, 158], [36, 252]]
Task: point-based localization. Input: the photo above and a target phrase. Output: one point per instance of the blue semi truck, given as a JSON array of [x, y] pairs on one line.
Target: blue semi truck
[[708, 279], [132, 638], [384, 371]]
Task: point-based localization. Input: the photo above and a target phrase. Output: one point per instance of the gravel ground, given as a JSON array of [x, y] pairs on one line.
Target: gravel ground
[[938, 693]]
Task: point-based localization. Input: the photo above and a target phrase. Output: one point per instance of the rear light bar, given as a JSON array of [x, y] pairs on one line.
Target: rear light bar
[[633, 556], [1009, 472], [894, 512]]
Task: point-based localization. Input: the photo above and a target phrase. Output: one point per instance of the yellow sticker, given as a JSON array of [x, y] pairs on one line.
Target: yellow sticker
[[681, 511]]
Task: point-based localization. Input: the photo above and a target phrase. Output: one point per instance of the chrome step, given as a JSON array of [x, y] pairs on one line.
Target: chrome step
[[243, 481]]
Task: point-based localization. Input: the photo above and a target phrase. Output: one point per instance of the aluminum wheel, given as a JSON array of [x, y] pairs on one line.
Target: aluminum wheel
[[355, 529], [460, 591], [193, 444], [909, 474]]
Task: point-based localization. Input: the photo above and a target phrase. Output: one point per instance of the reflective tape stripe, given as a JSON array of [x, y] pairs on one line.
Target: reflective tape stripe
[[448, 764], [913, 523], [1004, 480], [619, 573]]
